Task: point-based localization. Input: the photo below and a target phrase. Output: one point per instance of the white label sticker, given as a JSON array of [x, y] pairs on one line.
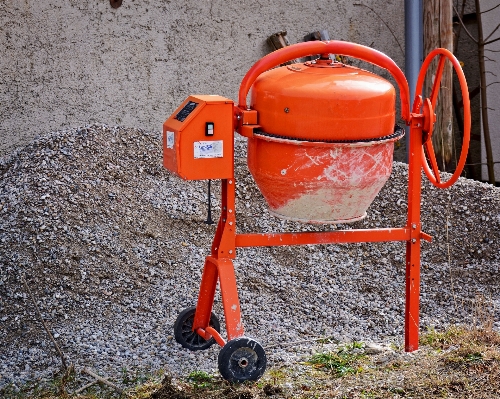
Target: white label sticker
[[170, 139], [208, 149]]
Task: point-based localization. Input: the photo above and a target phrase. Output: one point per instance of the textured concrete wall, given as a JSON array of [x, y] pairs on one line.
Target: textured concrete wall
[[66, 63], [492, 64]]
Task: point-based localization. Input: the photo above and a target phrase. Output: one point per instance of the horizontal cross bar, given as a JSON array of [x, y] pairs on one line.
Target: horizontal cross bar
[[323, 237]]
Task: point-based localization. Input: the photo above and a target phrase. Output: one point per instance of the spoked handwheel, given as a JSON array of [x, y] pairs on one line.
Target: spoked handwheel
[[428, 106], [242, 359], [184, 334]]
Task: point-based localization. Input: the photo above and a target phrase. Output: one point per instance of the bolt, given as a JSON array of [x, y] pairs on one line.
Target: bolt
[[418, 124], [230, 251], [230, 182], [115, 3], [238, 117], [287, 110], [413, 240], [230, 223], [413, 226], [230, 211]]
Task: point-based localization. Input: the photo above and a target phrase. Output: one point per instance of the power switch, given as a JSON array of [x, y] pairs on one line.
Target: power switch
[[209, 129]]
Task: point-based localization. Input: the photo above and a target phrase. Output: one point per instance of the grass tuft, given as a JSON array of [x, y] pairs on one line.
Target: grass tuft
[[344, 361], [442, 339], [201, 380]]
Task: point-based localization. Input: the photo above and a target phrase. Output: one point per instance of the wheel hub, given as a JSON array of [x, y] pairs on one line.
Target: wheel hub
[[243, 362], [242, 359]]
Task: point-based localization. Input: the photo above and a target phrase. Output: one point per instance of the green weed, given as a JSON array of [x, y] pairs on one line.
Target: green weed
[[200, 379], [344, 361], [355, 345], [474, 357]]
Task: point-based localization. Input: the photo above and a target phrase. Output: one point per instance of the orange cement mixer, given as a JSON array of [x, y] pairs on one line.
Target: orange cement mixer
[[320, 144]]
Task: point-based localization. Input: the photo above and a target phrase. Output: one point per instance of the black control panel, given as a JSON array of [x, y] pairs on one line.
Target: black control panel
[[184, 112]]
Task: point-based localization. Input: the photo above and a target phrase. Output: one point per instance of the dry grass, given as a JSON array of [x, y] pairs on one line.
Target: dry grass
[[457, 363]]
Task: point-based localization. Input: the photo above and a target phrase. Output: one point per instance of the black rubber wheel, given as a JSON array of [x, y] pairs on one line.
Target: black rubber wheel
[[242, 359], [188, 338]]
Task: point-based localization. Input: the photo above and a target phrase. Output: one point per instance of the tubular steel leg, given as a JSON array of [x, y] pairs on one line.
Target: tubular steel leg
[[222, 219], [230, 301], [412, 295], [413, 245], [206, 295]]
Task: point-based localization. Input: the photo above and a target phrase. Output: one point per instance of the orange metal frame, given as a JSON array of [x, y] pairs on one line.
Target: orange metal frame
[[219, 266]]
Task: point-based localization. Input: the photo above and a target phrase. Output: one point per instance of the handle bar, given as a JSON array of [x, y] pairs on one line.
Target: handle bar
[[330, 47]]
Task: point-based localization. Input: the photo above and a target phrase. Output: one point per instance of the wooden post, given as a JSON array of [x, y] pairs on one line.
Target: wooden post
[[438, 32]]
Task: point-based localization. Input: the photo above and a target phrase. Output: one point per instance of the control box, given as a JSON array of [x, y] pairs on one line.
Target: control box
[[198, 139]]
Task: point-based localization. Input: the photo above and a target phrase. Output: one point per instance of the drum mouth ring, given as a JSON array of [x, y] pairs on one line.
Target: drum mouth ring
[[399, 132]]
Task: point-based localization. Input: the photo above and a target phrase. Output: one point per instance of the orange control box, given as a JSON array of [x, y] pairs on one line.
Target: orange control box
[[198, 139]]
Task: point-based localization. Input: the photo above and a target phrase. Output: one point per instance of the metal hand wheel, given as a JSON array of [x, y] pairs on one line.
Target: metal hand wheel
[[184, 334], [428, 106]]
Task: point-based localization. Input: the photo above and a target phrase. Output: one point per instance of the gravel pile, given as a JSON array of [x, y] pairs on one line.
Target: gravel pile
[[112, 246]]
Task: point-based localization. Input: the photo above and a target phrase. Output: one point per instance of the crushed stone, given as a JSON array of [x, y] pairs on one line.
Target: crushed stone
[[112, 246]]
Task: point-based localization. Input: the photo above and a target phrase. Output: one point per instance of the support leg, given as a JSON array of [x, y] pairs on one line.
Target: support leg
[[222, 219], [206, 295], [230, 301], [412, 295], [413, 245]]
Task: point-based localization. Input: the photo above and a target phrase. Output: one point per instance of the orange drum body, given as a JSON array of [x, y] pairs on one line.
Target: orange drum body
[[325, 143], [319, 182]]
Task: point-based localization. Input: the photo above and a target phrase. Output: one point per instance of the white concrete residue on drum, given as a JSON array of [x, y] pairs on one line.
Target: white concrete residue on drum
[[356, 171], [299, 163], [316, 206], [350, 181]]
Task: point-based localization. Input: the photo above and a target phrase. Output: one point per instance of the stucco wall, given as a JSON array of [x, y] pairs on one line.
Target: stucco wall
[[66, 63], [492, 64]]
